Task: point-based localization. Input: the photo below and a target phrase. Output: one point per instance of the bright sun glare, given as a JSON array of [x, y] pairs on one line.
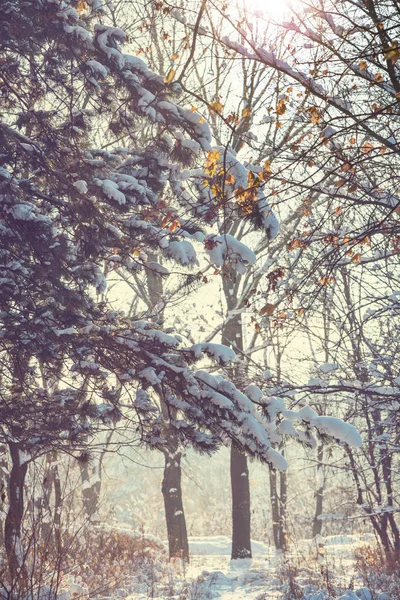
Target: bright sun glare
[[270, 8]]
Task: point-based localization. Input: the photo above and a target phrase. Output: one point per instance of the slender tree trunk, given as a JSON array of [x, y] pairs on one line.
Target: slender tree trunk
[[282, 509], [47, 514], [91, 485], [273, 493], [171, 486], [278, 497], [319, 498], [13, 522], [278, 508], [57, 508], [232, 335]]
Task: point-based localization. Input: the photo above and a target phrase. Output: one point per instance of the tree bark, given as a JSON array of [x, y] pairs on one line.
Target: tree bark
[[232, 336], [13, 522], [319, 498], [241, 519], [175, 517], [282, 509], [171, 486], [278, 508]]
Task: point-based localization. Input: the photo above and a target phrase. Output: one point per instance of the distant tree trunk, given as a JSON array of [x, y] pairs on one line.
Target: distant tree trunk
[[91, 472], [319, 498], [278, 498], [178, 543], [91, 485], [282, 508], [241, 522], [50, 516], [232, 335], [13, 522], [278, 507]]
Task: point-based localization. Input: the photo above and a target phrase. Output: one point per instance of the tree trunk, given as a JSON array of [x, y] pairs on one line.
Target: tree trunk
[[317, 523], [241, 543], [57, 508], [13, 522], [282, 509], [278, 499], [232, 336], [171, 486], [273, 494], [278, 508], [91, 485], [4, 483], [175, 517], [50, 516]]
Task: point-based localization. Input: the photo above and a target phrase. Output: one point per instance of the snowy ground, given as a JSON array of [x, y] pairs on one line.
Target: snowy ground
[[212, 574]]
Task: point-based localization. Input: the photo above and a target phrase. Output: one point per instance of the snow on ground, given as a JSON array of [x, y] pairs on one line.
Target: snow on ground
[[211, 574], [219, 545]]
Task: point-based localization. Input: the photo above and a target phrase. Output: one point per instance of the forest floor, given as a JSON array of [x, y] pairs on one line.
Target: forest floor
[[305, 572]]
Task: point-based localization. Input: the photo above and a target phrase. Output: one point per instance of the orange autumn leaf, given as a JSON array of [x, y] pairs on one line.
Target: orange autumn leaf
[[82, 5], [326, 280], [216, 107], [170, 75], [174, 225], [167, 218], [281, 107], [268, 309], [367, 148], [246, 112], [392, 53]]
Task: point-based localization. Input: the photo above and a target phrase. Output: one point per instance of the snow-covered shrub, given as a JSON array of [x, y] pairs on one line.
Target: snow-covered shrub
[[90, 561], [378, 571]]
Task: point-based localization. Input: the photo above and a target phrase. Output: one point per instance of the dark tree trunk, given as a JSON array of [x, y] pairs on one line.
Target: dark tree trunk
[[50, 515], [317, 523], [13, 522], [175, 517], [241, 542], [232, 335], [171, 486]]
